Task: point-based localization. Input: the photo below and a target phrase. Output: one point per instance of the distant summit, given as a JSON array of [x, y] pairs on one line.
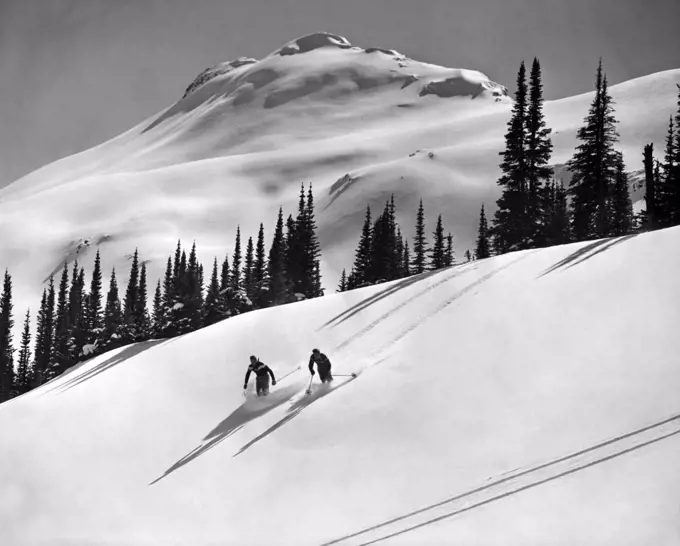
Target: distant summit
[[329, 64]]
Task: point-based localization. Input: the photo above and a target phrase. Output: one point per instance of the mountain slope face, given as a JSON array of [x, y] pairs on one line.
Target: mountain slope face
[[360, 124], [528, 399]]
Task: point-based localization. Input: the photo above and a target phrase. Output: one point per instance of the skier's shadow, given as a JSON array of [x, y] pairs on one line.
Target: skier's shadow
[[248, 411], [295, 410]]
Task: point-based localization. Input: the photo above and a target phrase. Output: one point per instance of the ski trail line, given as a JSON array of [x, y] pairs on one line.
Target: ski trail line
[[403, 304], [423, 318], [496, 490]]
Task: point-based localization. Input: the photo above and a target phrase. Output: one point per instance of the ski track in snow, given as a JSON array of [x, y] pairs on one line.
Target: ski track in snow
[[504, 487]]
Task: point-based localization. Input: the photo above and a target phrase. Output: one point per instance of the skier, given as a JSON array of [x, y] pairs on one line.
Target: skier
[[322, 364], [262, 373]]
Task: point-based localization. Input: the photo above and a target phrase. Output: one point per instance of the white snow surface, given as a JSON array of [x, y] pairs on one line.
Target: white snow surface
[[246, 135], [527, 399]]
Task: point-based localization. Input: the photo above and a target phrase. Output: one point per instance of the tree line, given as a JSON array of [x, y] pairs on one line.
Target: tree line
[[534, 210], [75, 323], [383, 254]]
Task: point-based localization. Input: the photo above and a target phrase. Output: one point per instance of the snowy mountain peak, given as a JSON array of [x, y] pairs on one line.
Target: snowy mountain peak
[[313, 41]]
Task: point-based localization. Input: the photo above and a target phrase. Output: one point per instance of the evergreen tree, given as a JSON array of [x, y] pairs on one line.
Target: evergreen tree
[[317, 289], [236, 263], [113, 315], [622, 207], [61, 361], [6, 341], [260, 268], [406, 261], [538, 150], [311, 250], [663, 190], [158, 311], [248, 274], [483, 249], [177, 263], [419, 242], [39, 362], [24, 377], [130, 332], [295, 249], [168, 287], [187, 316], [395, 243], [593, 166], [650, 198], [142, 318], [225, 278], [44, 348], [384, 261], [363, 254], [213, 308], [438, 251], [449, 255], [76, 298], [94, 314], [399, 269], [278, 282], [511, 221], [342, 287]]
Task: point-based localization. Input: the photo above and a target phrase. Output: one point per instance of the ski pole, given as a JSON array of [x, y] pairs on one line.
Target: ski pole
[[289, 373], [344, 375], [309, 388]]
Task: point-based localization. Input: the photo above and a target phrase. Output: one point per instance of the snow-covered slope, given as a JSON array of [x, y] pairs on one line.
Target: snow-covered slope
[[359, 124], [528, 399]]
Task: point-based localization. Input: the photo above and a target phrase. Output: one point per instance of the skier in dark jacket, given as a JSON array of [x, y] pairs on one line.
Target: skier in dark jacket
[[322, 364], [262, 373]]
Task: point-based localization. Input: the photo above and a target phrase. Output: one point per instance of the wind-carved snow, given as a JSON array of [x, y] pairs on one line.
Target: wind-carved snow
[[311, 42], [505, 390]]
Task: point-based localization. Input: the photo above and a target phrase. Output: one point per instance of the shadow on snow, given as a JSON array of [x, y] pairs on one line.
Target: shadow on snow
[[122, 355], [587, 252], [295, 410], [248, 411]]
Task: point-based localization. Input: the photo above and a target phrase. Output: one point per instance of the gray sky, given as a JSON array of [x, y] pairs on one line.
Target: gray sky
[[77, 72]]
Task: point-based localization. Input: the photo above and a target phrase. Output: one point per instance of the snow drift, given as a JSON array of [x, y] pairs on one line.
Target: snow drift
[[528, 399]]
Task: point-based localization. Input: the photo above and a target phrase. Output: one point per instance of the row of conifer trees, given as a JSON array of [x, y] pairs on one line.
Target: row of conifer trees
[[534, 210], [75, 323]]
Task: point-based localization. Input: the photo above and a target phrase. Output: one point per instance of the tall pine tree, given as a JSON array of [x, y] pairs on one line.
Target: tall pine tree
[[62, 333], [483, 249], [278, 280], [650, 194], [538, 150], [94, 314], [113, 315], [419, 242], [361, 271], [438, 251], [236, 283], [511, 221], [24, 378], [594, 165], [6, 341]]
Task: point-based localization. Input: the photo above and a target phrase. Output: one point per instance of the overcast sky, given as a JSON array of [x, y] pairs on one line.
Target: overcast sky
[[74, 73]]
